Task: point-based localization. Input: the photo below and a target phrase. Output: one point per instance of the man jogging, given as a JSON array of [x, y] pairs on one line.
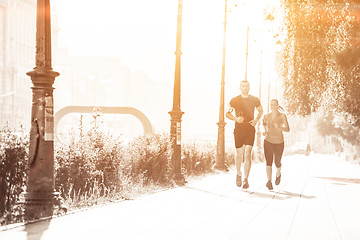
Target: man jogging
[[244, 132]]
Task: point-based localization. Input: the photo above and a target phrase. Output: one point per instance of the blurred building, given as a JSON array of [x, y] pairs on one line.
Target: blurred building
[[17, 56], [107, 81]]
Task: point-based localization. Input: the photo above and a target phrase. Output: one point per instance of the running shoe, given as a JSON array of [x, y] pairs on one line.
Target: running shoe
[[269, 185], [238, 181], [277, 180], [246, 184]]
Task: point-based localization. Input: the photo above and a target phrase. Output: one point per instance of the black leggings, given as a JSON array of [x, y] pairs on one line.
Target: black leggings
[[271, 149]]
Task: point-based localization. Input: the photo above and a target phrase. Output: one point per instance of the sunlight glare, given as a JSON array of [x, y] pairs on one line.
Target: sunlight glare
[[142, 34]]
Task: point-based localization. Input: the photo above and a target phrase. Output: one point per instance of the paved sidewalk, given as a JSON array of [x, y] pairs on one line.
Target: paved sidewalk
[[318, 198]]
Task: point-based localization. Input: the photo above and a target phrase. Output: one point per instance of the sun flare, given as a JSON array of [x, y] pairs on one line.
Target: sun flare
[[142, 34]]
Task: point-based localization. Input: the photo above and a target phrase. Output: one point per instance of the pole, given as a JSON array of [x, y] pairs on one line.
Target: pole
[[39, 198], [258, 141], [247, 53], [268, 100], [176, 113], [220, 150], [261, 55]]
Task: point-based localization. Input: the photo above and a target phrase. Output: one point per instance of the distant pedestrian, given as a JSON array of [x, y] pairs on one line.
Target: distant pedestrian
[[244, 133], [275, 124]]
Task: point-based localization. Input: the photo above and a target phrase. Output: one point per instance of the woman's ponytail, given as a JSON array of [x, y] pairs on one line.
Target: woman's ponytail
[[282, 109]]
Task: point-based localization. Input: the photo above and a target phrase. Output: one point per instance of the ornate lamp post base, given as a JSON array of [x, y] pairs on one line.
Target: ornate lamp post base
[[175, 135], [220, 153], [39, 205], [40, 195]]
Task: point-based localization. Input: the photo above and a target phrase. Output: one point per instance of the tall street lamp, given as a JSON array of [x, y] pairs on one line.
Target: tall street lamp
[[220, 150], [258, 133], [39, 198], [176, 113], [247, 53]]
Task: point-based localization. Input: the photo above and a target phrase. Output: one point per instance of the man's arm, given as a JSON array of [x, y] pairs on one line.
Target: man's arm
[[258, 116], [230, 116]]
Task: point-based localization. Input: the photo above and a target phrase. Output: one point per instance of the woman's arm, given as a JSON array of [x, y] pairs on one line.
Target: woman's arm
[[285, 127], [266, 125]]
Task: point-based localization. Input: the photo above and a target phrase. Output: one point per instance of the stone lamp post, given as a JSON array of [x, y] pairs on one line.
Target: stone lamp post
[[40, 194]]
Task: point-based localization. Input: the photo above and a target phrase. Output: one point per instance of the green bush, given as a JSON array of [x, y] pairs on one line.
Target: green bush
[[148, 157], [94, 167], [92, 161], [95, 164], [198, 159], [13, 169]]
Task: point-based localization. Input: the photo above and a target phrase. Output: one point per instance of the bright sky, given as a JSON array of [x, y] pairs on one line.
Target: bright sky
[[143, 34]]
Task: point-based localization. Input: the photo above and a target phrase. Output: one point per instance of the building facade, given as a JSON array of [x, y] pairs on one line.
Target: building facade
[[17, 56]]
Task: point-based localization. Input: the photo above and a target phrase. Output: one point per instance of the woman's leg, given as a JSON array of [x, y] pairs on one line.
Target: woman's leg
[[278, 151], [268, 152]]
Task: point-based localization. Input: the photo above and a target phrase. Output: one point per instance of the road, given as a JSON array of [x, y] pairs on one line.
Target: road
[[318, 198]]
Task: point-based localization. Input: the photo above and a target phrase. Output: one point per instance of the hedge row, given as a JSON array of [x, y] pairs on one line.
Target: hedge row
[[95, 166]]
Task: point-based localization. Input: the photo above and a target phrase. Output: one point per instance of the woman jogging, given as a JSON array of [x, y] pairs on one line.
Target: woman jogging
[[275, 124]]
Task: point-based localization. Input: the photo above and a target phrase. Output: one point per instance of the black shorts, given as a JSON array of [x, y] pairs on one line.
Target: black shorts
[[244, 134]]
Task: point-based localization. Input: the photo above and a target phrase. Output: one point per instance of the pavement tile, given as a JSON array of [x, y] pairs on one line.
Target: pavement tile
[[317, 199]]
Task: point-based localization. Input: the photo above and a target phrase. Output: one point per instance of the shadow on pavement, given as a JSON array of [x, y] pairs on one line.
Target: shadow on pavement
[[341, 181], [290, 195], [34, 231], [279, 195], [271, 194], [212, 193]]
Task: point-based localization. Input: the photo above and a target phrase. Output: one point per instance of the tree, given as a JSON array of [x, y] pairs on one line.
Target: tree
[[349, 66], [319, 63]]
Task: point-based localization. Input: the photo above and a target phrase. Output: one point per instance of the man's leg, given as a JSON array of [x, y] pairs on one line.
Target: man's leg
[[239, 157], [247, 163], [239, 154], [249, 141]]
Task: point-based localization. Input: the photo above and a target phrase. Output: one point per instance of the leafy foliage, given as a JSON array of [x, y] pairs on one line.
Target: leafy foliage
[[338, 125], [349, 67], [198, 159], [95, 168], [148, 157], [81, 164], [319, 36], [13, 169]]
